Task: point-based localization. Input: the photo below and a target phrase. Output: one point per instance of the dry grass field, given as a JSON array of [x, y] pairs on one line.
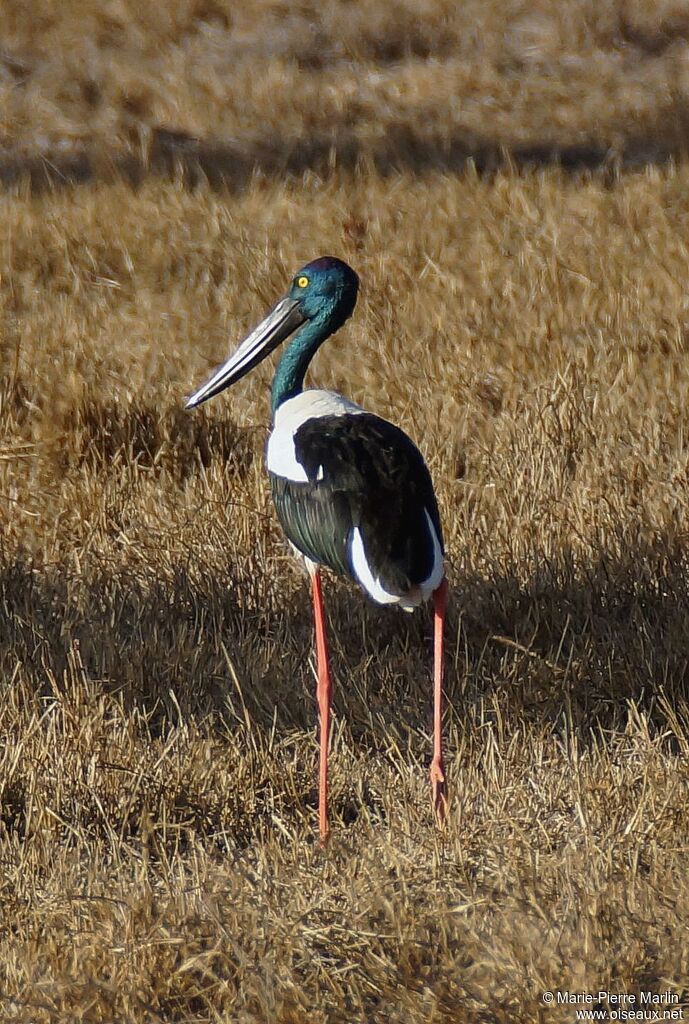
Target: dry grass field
[[510, 182]]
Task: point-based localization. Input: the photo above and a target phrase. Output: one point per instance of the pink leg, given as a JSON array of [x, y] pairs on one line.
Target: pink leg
[[438, 789], [324, 693]]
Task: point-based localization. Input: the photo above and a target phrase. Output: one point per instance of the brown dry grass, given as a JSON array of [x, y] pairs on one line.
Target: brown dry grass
[[157, 716]]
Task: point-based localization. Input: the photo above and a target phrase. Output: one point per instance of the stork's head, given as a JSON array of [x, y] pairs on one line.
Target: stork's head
[[325, 289], [323, 293]]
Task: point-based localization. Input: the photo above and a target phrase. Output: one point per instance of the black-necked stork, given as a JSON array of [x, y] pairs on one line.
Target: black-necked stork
[[351, 490]]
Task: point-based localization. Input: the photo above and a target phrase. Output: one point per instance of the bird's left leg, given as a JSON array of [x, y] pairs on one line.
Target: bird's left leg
[[438, 788], [324, 693]]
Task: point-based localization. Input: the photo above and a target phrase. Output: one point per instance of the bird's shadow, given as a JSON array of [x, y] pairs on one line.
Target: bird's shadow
[[569, 647], [588, 637]]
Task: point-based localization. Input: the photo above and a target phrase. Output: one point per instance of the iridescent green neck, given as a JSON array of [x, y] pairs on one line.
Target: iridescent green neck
[[291, 370]]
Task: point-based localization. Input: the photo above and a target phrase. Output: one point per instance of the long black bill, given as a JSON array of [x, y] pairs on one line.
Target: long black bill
[[283, 319]]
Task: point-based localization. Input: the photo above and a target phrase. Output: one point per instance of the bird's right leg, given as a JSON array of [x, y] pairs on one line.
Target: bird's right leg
[[438, 787], [324, 694]]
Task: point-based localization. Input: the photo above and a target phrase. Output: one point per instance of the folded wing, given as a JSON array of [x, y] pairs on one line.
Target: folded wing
[[366, 506]]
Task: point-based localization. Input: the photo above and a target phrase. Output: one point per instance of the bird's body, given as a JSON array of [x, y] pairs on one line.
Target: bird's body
[[351, 490], [353, 493]]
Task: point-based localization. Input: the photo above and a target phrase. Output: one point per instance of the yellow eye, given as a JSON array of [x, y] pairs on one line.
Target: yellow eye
[[302, 281]]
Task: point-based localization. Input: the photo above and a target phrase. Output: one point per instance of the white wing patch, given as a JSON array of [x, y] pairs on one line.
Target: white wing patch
[[420, 593], [281, 458], [438, 571], [362, 571]]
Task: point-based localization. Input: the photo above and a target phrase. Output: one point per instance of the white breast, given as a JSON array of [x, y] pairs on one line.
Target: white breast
[[281, 458]]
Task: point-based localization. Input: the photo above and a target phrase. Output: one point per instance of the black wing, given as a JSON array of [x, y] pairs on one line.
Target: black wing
[[362, 472]]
